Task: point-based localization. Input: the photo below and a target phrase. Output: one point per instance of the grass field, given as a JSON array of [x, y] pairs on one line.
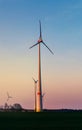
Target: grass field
[[43, 120]]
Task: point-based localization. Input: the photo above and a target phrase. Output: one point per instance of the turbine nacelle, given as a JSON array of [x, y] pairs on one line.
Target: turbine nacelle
[[40, 40], [35, 81]]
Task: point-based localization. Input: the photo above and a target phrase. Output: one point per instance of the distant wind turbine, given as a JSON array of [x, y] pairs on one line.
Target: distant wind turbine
[[8, 96], [35, 82], [39, 107]]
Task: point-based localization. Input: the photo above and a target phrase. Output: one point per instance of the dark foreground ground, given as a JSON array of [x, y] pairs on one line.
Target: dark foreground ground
[[56, 120]]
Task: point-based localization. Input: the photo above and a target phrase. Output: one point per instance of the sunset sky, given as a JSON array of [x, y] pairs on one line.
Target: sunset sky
[[62, 32]]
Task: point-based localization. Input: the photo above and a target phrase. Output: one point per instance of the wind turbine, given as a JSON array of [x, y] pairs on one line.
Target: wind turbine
[[8, 96], [39, 107], [35, 82]]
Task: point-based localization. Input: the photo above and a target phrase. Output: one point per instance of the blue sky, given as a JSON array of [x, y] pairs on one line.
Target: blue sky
[[61, 30], [61, 19]]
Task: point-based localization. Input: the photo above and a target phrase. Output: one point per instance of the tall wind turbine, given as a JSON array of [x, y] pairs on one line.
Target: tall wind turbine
[[35, 82], [39, 107]]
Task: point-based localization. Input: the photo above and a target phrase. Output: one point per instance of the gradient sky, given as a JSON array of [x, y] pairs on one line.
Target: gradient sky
[[62, 32]]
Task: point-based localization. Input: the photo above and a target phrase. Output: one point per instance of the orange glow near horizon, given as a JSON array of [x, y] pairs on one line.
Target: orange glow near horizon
[[62, 86]]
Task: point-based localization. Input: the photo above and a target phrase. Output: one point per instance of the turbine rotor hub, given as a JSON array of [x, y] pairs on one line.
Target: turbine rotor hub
[[40, 40]]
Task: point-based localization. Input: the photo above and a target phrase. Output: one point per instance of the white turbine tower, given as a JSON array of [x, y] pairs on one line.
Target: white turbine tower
[[39, 107], [35, 83]]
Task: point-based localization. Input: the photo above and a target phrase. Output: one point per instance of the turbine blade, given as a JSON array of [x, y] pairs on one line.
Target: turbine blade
[[33, 79], [33, 45], [48, 48], [40, 30]]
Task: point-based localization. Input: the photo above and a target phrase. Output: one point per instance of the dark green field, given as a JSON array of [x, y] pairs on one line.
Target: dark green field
[[43, 120]]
